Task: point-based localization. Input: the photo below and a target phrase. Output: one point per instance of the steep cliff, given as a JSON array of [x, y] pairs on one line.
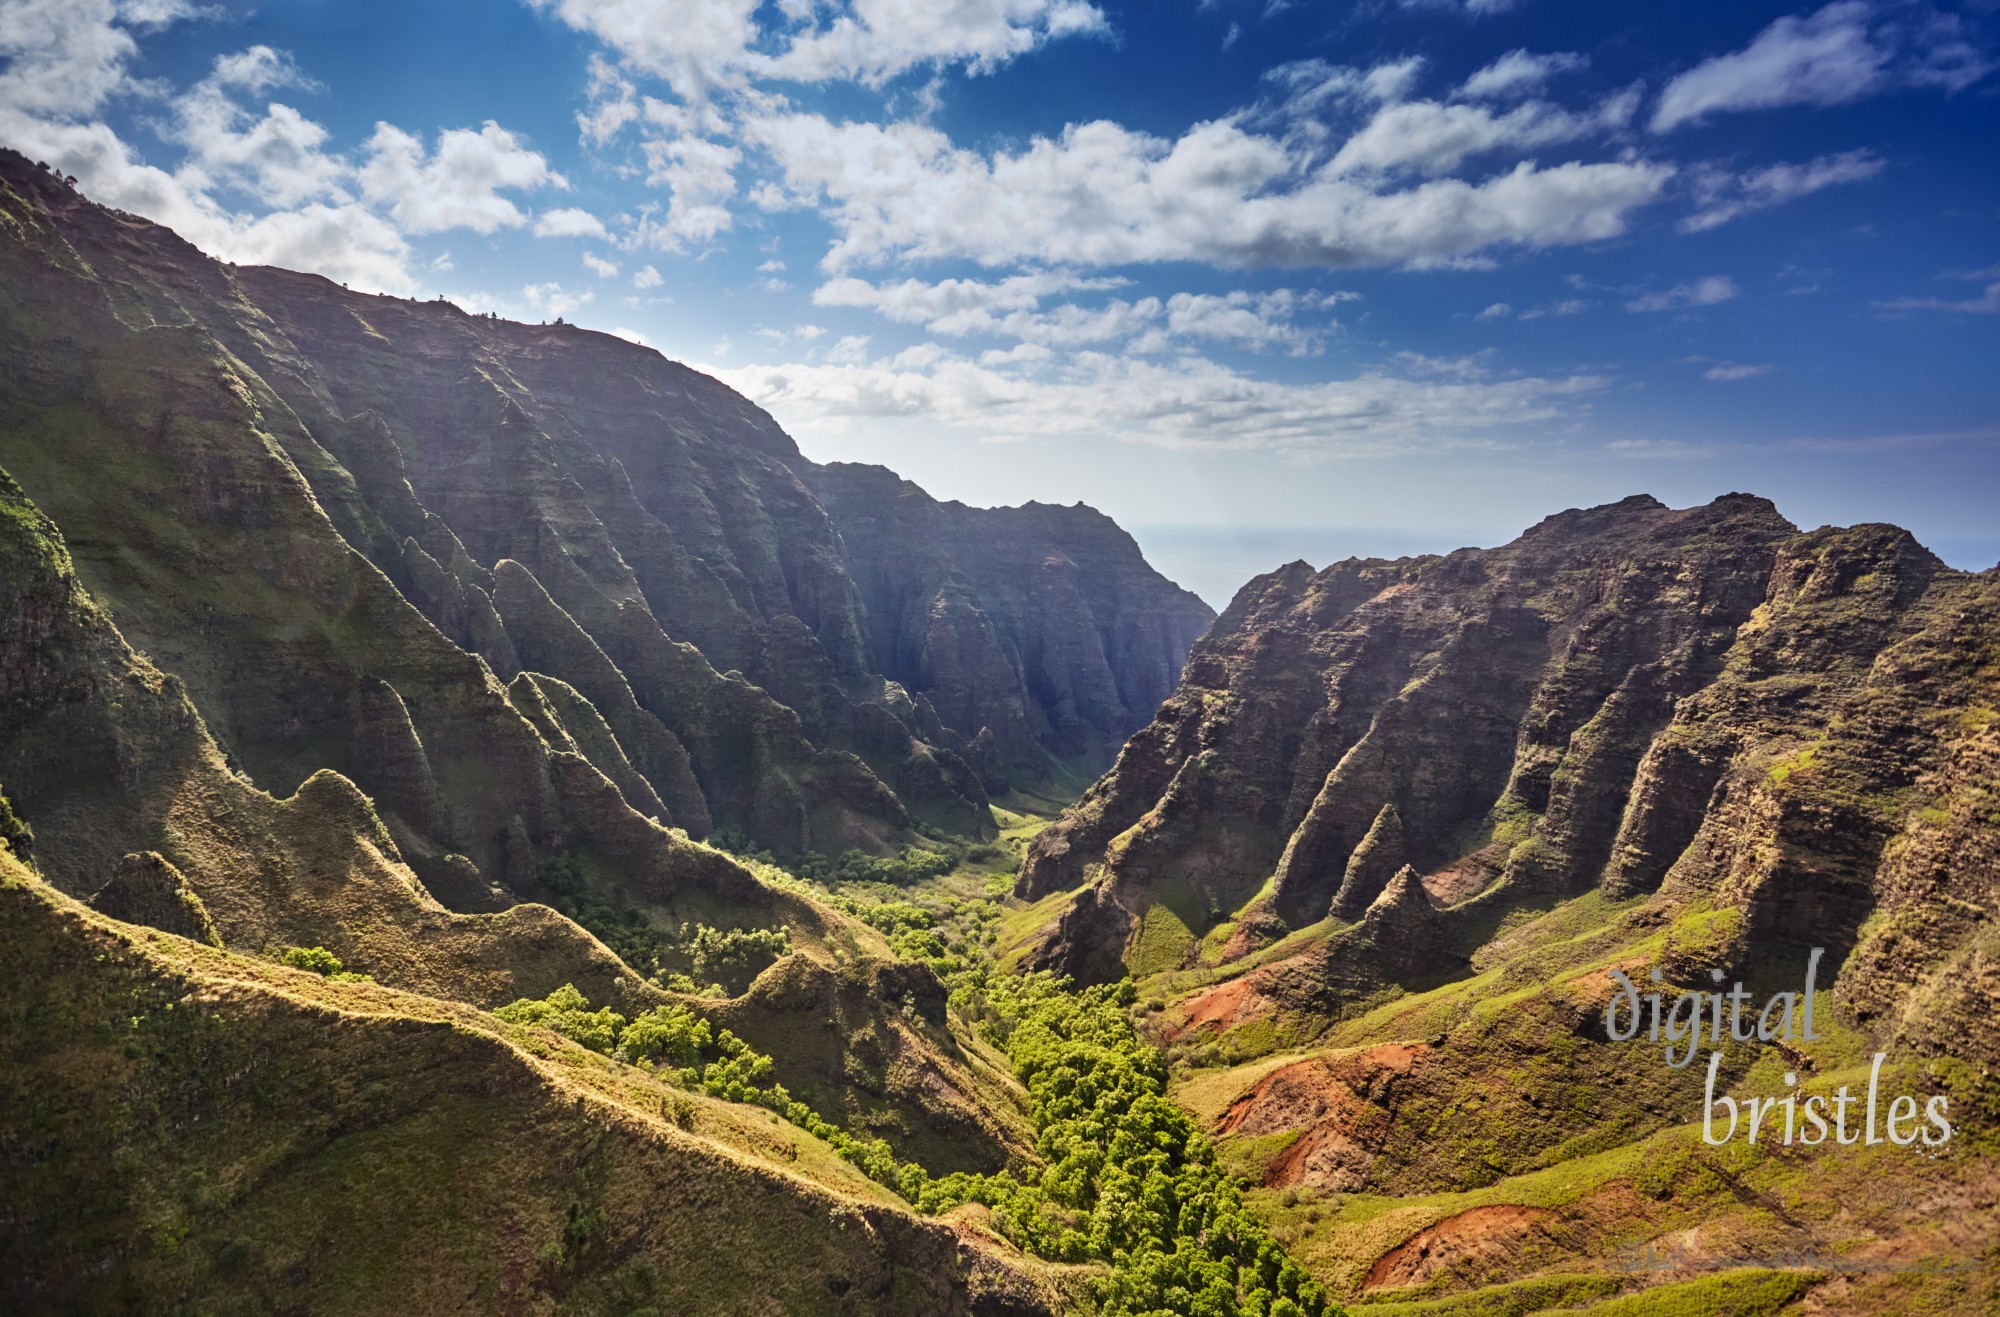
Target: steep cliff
[[338, 518]]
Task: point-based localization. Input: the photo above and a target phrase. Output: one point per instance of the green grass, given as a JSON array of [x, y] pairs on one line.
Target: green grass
[[1747, 1293]]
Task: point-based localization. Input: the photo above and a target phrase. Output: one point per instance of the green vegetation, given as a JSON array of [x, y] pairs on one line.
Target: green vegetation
[[1125, 1178], [323, 963], [708, 1060]]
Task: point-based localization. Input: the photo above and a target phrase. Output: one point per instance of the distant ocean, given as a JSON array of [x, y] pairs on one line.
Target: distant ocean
[[1215, 561]]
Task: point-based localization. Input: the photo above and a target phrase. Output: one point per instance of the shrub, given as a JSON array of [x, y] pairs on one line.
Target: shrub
[[567, 1011], [317, 959]]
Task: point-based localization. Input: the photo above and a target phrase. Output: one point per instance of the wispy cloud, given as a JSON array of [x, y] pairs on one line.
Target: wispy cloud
[[1844, 52], [1724, 196], [1727, 371], [1707, 291]]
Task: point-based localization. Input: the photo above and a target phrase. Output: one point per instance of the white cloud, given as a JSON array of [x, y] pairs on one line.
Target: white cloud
[[1470, 8], [1724, 197], [254, 186], [1842, 53], [1986, 303], [1569, 306], [1251, 320], [569, 222], [458, 186], [950, 305], [647, 277], [1436, 138], [1517, 73], [553, 300], [699, 175], [347, 243], [1010, 308], [1826, 58], [702, 47], [279, 158], [1705, 291], [600, 267], [65, 58], [873, 40], [698, 46], [1735, 370], [1102, 194], [160, 13], [1311, 85], [1497, 311], [633, 336], [1186, 403]]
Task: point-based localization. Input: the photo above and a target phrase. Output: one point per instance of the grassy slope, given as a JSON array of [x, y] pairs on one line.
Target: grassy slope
[[222, 1130], [1507, 1106]]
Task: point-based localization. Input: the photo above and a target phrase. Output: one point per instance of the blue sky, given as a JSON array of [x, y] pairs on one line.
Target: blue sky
[[1261, 279]]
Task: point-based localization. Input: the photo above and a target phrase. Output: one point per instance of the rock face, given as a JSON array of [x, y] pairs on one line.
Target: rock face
[[1704, 704], [347, 522]]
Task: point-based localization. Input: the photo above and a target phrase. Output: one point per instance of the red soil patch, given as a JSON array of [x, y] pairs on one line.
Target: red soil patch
[[1301, 1094], [1221, 1007], [1325, 1158], [1388, 1056], [1481, 1235]]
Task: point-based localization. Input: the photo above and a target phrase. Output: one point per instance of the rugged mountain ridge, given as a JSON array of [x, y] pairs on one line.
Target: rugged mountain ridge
[[447, 486], [1706, 703]]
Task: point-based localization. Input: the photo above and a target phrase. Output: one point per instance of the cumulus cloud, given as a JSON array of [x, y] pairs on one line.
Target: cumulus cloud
[[699, 177], [256, 180], [647, 277], [457, 186], [280, 156], [1724, 197], [1706, 291], [65, 58], [1842, 53], [569, 222], [1518, 73], [1185, 403], [1102, 194], [873, 40], [702, 47], [697, 46], [553, 300], [600, 267]]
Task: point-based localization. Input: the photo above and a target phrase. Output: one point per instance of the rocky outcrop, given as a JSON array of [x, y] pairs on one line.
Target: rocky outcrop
[[1704, 704]]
